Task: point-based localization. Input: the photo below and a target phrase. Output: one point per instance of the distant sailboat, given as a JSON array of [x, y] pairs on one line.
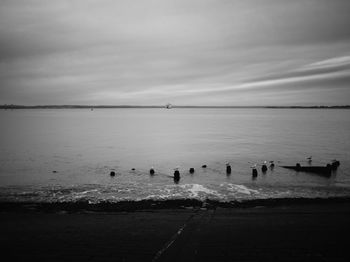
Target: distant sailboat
[[168, 106]]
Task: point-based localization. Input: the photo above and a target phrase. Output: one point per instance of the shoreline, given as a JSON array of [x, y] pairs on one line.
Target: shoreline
[[131, 206]]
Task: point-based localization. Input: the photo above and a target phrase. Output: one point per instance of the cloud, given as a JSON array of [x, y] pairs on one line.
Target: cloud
[[332, 63], [338, 67], [159, 51]]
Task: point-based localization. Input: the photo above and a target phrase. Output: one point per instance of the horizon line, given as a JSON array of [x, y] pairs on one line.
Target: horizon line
[[14, 106]]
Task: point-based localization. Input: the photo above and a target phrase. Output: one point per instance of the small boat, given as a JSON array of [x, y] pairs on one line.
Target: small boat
[[321, 170]]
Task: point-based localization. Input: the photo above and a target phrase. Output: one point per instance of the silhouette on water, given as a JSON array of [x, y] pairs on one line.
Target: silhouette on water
[[254, 172], [321, 170], [228, 169], [309, 160], [176, 176], [264, 167], [335, 164]]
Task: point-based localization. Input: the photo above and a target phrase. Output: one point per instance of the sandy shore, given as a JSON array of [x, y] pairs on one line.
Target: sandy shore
[[309, 232]]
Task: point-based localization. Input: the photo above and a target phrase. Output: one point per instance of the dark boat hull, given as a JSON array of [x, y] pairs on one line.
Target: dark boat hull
[[322, 170]]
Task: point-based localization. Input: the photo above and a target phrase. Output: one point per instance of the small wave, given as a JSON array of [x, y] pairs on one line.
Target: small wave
[[241, 189], [196, 191], [87, 192], [190, 191], [224, 192], [132, 205]]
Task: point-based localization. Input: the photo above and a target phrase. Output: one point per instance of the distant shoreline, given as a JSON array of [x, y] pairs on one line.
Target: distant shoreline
[[155, 106]]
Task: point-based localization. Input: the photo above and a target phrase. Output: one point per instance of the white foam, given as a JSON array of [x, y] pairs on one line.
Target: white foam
[[240, 189], [195, 190], [161, 197], [85, 192]]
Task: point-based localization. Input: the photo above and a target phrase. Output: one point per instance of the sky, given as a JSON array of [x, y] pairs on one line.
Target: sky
[[184, 52]]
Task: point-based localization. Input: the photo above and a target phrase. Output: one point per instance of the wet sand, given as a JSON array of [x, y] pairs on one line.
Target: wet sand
[[308, 232]]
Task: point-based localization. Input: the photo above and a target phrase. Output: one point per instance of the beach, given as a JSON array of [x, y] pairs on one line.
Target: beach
[[304, 231], [58, 201]]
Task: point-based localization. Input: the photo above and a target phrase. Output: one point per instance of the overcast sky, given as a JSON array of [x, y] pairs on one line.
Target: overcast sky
[[184, 52]]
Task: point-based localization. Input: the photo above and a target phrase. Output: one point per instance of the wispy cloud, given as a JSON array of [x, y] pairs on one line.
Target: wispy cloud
[[185, 51], [332, 63]]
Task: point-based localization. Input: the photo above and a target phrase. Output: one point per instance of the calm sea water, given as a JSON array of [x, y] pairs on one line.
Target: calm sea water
[[67, 154]]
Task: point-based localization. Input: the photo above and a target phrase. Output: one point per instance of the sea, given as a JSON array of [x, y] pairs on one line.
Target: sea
[[67, 155]]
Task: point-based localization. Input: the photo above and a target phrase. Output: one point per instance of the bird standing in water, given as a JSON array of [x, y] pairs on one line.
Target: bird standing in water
[[309, 159]]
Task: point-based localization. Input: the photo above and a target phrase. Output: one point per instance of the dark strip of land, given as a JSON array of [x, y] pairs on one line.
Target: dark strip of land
[[292, 232], [161, 106]]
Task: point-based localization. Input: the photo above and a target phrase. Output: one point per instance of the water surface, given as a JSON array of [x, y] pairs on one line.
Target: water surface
[[67, 154]]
